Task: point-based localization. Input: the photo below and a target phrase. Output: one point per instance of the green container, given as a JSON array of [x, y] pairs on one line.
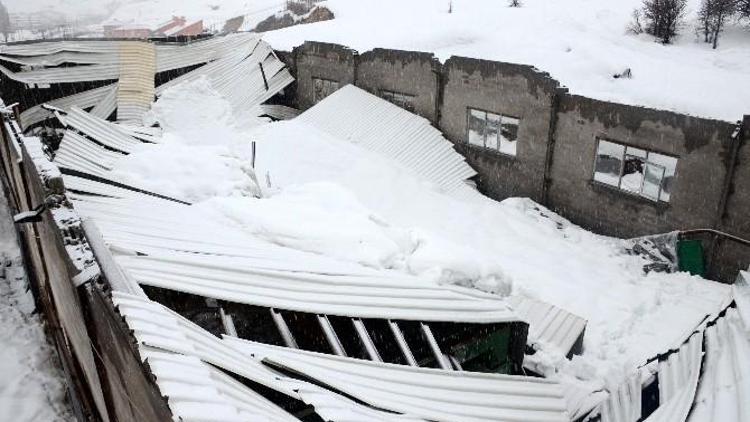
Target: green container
[[690, 257]]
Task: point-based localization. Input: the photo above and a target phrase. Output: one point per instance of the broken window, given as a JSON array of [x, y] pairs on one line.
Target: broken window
[[323, 88], [492, 131], [635, 170], [404, 101]]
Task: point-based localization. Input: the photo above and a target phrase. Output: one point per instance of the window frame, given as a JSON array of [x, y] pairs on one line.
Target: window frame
[[501, 116], [395, 94], [325, 80], [646, 162]]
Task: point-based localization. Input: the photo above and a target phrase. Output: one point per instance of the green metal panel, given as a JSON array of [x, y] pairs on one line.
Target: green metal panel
[[690, 257], [489, 354]]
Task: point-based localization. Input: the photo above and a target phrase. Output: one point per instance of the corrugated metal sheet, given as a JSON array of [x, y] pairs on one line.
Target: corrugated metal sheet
[[548, 323], [135, 90], [624, 404], [101, 130], [57, 59], [279, 112], [196, 391], [171, 56], [54, 47], [56, 75], [724, 387], [678, 381], [78, 153], [156, 326], [107, 105], [189, 254], [741, 294], [359, 117], [82, 100], [428, 393]]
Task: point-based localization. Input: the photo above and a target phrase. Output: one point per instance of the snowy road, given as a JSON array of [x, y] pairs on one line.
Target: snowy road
[[32, 386]]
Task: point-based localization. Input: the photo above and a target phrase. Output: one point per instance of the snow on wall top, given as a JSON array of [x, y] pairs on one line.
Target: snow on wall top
[[580, 42]]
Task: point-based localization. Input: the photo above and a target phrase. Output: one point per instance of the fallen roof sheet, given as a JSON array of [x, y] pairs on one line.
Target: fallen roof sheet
[[184, 252], [156, 326], [355, 115], [431, 394], [78, 153], [725, 383], [85, 99], [549, 324], [198, 392], [103, 131]]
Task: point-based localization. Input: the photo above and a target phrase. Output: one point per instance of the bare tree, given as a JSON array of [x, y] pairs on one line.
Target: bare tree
[[712, 16], [4, 21], [743, 9], [514, 3], [663, 18]]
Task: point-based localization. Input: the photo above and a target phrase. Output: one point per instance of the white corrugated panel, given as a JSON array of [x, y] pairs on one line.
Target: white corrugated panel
[[678, 381], [56, 75], [107, 105], [101, 130], [741, 294], [624, 404], [189, 254], [54, 47], [57, 59], [158, 327], [172, 56], [135, 89], [357, 116], [724, 387], [82, 100], [548, 323], [78, 153], [431, 394], [196, 391]]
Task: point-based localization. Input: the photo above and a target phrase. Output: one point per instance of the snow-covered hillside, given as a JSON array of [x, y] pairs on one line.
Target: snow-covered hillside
[[582, 43]]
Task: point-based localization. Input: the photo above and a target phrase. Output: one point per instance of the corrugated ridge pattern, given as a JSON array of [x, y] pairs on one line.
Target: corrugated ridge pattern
[[199, 257], [357, 116], [78, 153], [135, 90], [83, 99], [196, 391], [101, 130], [156, 326], [548, 323], [431, 394]]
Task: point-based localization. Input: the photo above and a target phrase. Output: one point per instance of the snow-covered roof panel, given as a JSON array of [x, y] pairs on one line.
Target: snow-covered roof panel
[[155, 326], [196, 391], [432, 394], [196, 256], [357, 116], [548, 323]]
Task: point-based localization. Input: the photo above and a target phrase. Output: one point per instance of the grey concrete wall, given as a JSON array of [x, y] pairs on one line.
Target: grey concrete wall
[[406, 72], [509, 89], [322, 60], [731, 256], [702, 146]]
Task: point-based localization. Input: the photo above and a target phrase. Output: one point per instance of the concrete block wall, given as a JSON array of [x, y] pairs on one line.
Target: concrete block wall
[[321, 60], [406, 72], [557, 140], [508, 89], [700, 145]]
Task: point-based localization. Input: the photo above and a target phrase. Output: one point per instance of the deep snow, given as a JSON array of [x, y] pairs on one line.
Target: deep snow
[[582, 43], [331, 197], [32, 386]]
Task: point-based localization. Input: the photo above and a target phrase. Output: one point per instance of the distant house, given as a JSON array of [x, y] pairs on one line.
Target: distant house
[[177, 26]]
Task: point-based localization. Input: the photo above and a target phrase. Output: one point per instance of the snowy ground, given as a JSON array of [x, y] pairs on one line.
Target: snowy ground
[[582, 43], [32, 387], [331, 197]]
